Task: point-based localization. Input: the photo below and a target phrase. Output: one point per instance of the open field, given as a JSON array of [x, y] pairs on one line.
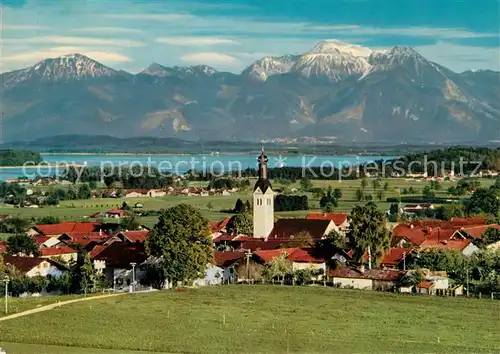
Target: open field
[[265, 319], [80, 209], [22, 304]]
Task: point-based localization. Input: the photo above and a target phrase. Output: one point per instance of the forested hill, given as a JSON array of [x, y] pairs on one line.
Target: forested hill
[[470, 158], [19, 158]]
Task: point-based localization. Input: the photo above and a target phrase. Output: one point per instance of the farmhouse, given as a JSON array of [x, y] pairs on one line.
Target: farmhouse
[[35, 266], [366, 279]]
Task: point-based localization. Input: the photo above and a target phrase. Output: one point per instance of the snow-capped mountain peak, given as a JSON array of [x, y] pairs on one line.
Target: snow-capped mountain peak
[[179, 71], [268, 66], [67, 67], [334, 46]]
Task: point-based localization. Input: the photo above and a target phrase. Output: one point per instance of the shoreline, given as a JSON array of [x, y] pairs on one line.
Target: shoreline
[[249, 153], [43, 166]]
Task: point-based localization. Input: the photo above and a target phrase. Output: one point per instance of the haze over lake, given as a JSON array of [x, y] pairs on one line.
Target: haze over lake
[[183, 163]]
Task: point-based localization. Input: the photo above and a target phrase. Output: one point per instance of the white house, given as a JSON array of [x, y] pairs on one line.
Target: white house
[[34, 266]]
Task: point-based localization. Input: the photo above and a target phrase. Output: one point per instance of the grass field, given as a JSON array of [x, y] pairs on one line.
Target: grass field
[[22, 304], [80, 209], [261, 319]]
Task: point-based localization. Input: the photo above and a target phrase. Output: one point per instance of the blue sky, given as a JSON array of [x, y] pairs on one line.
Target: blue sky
[[231, 34]]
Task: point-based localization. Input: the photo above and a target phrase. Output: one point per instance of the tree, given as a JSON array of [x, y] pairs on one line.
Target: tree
[[329, 208], [48, 220], [248, 207], [428, 193], [376, 184], [386, 186], [364, 183], [239, 207], [305, 185], [448, 211], [130, 222], [368, 232], [241, 224], [491, 235], [22, 244], [380, 195], [87, 275], [280, 267], [328, 198], [181, 243], [210, 206], [332, 242], [394, 209], [484, 201], [302, 276], [337, 193], [360, 195], [84, 191]]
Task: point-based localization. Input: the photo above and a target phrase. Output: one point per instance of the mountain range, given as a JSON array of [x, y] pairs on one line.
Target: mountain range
[[339, 91]]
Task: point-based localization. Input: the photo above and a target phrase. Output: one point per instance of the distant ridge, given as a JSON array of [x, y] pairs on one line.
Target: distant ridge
[[346, 92]]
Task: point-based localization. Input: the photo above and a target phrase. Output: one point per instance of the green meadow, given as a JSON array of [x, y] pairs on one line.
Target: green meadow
[[260, 319]]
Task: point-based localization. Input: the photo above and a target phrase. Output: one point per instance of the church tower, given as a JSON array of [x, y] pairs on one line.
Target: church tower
[[263, 201]]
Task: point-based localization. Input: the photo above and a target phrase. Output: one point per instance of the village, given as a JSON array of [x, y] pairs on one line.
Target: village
[[310, 250]]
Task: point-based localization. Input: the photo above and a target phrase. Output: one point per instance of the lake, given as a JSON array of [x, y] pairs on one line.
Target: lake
[[183, 163]]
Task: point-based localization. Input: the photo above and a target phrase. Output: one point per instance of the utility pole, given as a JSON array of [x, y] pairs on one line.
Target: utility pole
[[133, 264], [369, 258], [6, 281], [248, 255], [467, 276], [404, 261]]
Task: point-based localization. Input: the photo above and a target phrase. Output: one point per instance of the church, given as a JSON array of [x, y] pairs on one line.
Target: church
[[264, 226], [263, 201]]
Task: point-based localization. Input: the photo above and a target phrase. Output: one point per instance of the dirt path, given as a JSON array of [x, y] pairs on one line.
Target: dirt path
[[54, 305]]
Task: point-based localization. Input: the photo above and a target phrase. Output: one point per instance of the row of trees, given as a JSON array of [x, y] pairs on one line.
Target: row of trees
[[135, 177], [19, 158]]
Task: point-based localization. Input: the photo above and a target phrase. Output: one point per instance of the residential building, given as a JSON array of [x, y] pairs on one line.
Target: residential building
[[35, 266]]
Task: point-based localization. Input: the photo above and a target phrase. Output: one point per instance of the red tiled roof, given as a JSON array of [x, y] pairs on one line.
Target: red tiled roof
[[293, 254], [84, 238], [373, 274], [223, 237], [55, 251], [217, 226], [97, 250], [269, 255], [425, 285], [418, 234], [478, 231], [222, 259], [121, 255], [261, 244], [243, 238], [136, 236], [306, 255], [67, 227], [458, 245], [468, 221], [337, 218], [285, 228], [40, 239], [394, 256], [24, 264]]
